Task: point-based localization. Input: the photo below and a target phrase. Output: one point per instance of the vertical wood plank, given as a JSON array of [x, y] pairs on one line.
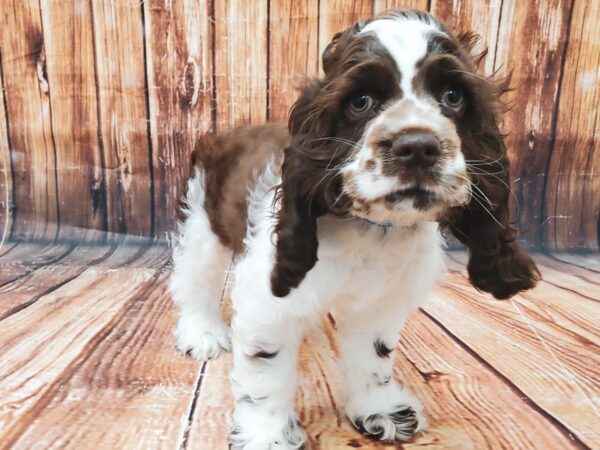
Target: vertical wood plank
[[241, 62], [482, 17], [69, 43], [573, 187], [179, 66], [119, 52], [337, 15], [26, 92], [293, 52], [6, 181], [382, 5], [531, 40]]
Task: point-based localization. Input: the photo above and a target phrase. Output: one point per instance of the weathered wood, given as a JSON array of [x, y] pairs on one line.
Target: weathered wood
[[75, 319], [549, 345], [293, 52], [382, 5], [179, 64], [241, 62], [119, 58], [581, 282], [589, 262], [6, 181], [27, 258], [531, 41], [26, 92], [482, 17], [577, 279], [432, 365], [38, 280], [131, 379], [337, 15], [573, 189], [71, 75]]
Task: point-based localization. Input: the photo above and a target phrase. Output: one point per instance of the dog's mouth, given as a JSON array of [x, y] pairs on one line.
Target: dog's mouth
[[418, 194]]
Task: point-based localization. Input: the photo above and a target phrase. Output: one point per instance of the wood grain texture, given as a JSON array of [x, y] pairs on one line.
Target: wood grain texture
[[139, 385], [293, 52], [81, 189], [119, 61], [37, 279], [482, 17], [26, 95], [382, 5], [6, 180], [536, 31], [573, 188], [545, 341], [337, 15], [27, 258], [564, 275], [588, 263], [61, 328], [179, 64], [450, 382], [240, 62]]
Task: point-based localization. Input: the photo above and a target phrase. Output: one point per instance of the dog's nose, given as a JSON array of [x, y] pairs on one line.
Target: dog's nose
[[414, 150]]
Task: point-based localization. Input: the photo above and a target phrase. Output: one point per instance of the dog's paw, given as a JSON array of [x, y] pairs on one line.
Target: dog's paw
[[387, 414], [254, 430], [200, 340]]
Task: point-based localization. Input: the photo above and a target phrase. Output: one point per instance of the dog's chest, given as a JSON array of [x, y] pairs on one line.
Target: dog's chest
[[370, 261]]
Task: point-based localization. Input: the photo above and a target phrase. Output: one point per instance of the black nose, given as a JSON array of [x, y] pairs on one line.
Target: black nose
[[414, 150]]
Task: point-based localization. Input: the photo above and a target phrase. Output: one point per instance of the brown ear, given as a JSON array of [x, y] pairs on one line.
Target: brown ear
[[497, 264], [330, 51], [296, 230]]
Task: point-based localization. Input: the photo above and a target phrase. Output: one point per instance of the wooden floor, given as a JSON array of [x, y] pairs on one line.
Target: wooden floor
[[87, 360]]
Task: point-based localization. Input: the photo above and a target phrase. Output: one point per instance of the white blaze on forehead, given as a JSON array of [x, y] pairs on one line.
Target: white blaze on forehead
[[406, 40]]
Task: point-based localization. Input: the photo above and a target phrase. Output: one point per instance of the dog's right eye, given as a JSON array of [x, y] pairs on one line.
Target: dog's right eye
[[360, 103]]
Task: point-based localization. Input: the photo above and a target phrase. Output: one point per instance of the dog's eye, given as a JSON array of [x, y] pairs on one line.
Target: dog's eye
[[453, 97], [360, 103]]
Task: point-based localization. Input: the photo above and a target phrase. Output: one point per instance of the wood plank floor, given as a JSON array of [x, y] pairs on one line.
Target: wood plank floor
[[87, 360]]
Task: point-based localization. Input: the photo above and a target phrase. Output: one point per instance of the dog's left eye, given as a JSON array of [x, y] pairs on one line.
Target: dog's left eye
[[453, 97], [360, 103]]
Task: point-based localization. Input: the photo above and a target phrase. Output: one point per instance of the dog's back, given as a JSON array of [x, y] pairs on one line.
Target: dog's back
[[230, 163]]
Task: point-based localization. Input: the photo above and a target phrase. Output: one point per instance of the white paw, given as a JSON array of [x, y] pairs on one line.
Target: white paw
[[202, 339], [387, 413], [255, 429]]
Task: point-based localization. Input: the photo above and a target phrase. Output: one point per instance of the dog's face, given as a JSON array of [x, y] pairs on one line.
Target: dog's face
[[400, 130], [407, 98]]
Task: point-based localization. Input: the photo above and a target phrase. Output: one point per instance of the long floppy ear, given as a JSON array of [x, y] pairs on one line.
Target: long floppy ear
[[296, 230], [299, 208], [497, 264]]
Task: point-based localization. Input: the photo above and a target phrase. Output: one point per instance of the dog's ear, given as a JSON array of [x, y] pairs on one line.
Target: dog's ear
[[296, 229], [329, 54], [497, 264]]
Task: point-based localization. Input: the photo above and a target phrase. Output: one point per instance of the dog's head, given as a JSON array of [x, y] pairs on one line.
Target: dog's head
[[400, 130]]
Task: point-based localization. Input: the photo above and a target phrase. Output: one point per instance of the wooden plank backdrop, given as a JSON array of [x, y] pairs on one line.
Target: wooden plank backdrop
[[101, 103]]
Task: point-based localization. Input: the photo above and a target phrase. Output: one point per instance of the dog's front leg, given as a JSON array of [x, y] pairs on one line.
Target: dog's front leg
[[377, 405], [264, 378]]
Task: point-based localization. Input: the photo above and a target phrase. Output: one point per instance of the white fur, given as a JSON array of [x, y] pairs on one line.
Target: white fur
[[200, 261], [370, 277], [406, 42]]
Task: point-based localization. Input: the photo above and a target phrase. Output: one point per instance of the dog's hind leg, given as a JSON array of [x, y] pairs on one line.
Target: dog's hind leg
[[200, 262]]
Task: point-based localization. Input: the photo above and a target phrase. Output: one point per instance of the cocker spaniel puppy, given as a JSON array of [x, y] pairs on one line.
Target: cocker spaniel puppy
[[341, 213]]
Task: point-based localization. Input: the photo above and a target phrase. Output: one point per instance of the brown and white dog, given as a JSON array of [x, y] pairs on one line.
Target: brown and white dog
[[342, 214]]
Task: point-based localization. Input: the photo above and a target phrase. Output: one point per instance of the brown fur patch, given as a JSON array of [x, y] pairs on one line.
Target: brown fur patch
[[231, 162]]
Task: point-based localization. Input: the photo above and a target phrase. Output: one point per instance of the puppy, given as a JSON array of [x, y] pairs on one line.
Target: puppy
[[341, 213]]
